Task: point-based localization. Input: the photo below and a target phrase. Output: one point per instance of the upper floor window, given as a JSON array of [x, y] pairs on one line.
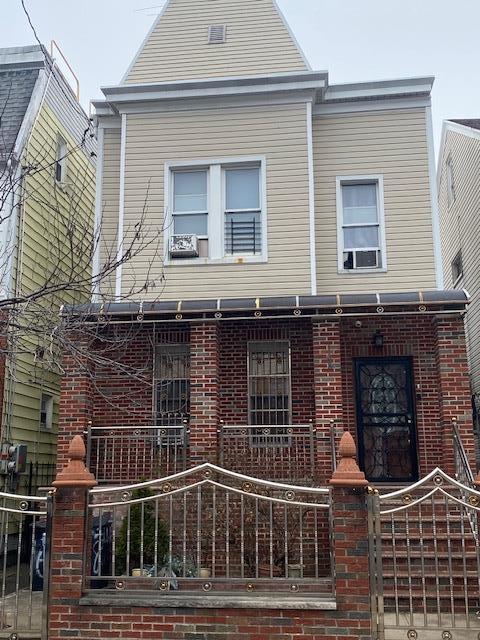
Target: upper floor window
[[242, 211], [217, 211], [457, 268], [450, 183], [61, 160], [361, 238], [46, 411]]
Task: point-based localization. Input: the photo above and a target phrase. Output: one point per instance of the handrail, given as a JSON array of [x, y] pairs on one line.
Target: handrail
[[463, 470]]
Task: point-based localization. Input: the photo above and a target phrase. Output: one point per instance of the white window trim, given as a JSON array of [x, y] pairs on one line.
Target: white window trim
[[216, 201], [340, 180], [61, 159], [48, 426]]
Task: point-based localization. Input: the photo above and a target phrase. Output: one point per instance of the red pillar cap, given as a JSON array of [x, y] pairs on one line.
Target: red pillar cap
[[348, 473], [75, 473]]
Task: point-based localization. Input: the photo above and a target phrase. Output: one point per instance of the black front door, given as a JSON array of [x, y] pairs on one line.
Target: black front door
[[386, 419]]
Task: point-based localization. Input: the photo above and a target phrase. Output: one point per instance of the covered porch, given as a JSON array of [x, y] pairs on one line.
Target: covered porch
[[266, 387]]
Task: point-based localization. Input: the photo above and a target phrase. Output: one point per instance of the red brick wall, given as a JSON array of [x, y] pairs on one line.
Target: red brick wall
[[112, 619], [320, 392], [234, 338], [415, 337], [204, 385]]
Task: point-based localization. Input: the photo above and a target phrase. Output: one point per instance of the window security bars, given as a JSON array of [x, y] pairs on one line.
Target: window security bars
[[242, 235], [269, 383], [281, 453], [209, 530], [118, 455], [172, 384], [24, 557]]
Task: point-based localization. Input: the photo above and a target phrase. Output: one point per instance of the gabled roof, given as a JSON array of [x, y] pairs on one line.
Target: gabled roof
[[19, 69], [257, 41]]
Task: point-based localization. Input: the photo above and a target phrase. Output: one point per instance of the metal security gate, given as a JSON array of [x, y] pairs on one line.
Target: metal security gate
[[425, 560], [24, 555]]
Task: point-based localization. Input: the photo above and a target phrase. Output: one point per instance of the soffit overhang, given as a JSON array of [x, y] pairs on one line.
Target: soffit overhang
[[307, 85]]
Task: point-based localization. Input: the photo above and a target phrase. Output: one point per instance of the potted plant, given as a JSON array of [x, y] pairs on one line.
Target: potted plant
[[155, 536]]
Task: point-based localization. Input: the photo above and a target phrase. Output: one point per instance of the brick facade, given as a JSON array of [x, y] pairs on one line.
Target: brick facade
[[69, 617], [323, 353]]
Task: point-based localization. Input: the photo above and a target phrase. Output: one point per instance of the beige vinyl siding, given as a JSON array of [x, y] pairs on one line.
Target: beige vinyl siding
[[110, 206], [257, 42], [41, 248], [392, 144], [277, 132], [460, 229]]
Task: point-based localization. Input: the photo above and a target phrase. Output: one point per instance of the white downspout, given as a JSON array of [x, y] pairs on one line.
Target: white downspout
[[121, 209], [311, 202], [437, 244], [98, 215]]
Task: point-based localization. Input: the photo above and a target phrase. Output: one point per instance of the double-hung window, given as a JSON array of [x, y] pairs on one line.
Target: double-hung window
[[61, 160], [360, 224], [190, 204], [242, 211], [218, 208]]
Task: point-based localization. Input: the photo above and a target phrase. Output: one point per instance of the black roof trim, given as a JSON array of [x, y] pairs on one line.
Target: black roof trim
[[440, 298]]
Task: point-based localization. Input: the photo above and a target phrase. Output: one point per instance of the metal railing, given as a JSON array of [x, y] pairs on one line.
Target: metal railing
[[425, 558], [125, 454], [274, 452], [208, 530], [24, 559], [463, 470]]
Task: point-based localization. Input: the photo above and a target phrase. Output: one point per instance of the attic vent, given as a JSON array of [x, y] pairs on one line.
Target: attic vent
[[216, 33]]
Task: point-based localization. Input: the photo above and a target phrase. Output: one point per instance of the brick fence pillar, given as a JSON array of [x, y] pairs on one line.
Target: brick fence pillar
[[350, 538], [204, 391], [327, 380], [76, 403], [67, 542], [454, 388]]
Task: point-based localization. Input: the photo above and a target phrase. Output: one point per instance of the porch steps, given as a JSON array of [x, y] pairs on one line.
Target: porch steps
[[430, 556]]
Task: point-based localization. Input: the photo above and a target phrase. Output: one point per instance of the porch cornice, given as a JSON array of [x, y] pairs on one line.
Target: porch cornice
[[319, 306]]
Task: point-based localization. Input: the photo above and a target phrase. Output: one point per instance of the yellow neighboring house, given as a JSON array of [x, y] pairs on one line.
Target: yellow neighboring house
[[47, 193]]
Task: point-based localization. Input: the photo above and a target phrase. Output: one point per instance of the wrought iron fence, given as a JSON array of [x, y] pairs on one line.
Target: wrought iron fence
[[425, 559], [24, 557], [209, 530], [125, 454], [276, 452]]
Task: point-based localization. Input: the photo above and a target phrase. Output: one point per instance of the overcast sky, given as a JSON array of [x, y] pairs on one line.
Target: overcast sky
[[352, 39]]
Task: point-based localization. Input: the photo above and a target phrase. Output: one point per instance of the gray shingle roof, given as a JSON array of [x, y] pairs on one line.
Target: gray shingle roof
[[474, 123], [16, 87]]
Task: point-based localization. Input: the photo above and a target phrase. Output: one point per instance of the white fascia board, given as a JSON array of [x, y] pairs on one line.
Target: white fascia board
[[379, 104], [216, 87], [145, 40], [462, 128], [217, 92], [454, 127], [292, 35], [224, 102], [33, 108], [376, 89]]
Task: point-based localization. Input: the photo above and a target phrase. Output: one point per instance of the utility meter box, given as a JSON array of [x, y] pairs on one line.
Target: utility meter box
[[13, 458]]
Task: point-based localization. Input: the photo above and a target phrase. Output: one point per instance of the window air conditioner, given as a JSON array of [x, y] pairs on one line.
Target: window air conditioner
[[184, 246]]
